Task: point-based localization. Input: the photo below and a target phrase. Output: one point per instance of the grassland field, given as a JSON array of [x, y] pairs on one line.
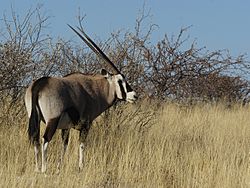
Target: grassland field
[[141, 145]]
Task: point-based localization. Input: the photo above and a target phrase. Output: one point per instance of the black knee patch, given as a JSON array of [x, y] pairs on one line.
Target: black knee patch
[[65, 135], [83, 134]]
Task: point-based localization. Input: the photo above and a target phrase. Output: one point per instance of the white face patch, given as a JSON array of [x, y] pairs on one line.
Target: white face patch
[[121, 89], [131, 97]]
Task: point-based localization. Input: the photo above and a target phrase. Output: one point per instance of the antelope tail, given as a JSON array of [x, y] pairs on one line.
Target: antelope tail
[[34, 120], [34, 128]]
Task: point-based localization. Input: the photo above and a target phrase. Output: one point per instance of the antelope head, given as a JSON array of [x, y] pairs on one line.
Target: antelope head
[[122, 88]]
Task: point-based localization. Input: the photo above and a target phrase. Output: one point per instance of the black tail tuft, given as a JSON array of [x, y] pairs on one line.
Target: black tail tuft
[[34, 128]]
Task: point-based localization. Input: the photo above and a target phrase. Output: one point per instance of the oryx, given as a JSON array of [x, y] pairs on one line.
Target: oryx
[[73, 101]]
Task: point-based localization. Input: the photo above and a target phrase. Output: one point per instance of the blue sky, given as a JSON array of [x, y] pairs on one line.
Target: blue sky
[[216, 24]]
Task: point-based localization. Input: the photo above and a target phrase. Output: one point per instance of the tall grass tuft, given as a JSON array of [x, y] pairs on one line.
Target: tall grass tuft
[[139, 146]]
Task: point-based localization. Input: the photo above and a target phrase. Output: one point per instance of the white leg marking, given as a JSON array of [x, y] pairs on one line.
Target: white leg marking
[[36, 157], [81, 148], [44, 155]]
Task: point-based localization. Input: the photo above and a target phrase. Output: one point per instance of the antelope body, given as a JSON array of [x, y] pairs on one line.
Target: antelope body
[[73, 101]]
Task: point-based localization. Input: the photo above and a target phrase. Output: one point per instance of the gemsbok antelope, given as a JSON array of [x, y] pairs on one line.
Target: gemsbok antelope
[[72, 101]]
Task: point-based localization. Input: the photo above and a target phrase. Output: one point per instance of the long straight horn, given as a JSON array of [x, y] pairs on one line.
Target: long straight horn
[[95, 48]]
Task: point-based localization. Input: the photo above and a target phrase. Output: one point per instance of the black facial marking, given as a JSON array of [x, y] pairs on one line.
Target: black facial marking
[[129, 89], [122, 90]]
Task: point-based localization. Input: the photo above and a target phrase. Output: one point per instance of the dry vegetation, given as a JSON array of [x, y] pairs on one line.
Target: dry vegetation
[[139, 146], [172, 68]]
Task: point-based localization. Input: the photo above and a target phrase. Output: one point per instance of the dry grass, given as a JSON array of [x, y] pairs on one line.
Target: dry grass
[[142, 146]]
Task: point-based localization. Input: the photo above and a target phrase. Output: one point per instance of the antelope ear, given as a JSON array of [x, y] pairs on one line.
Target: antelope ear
[[105, 73]]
